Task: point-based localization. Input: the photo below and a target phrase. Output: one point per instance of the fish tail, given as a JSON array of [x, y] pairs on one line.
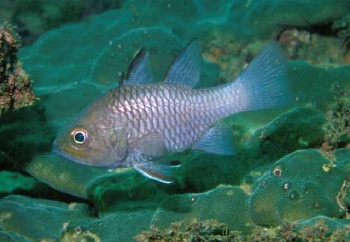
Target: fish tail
[[263, 84]]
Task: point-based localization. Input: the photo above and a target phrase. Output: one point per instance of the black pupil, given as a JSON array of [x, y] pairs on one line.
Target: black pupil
[[79, 137]]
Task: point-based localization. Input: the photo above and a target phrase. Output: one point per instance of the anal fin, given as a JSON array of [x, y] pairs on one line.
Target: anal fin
[[217, 140]]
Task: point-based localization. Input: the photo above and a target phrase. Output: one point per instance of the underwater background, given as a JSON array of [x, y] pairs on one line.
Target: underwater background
[[290, 176]]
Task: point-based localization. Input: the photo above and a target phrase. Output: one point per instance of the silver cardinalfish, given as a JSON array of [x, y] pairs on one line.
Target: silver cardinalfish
[[137, 123]]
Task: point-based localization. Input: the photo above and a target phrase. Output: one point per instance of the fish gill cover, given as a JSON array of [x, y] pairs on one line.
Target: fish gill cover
[[290, 171]]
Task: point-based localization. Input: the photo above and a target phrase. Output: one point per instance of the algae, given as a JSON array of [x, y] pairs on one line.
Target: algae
[[15, 85], [317, 229], [337, 128]]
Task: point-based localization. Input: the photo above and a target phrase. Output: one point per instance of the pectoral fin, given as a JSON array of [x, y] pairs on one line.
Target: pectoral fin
[[151, 149], [150, 145]]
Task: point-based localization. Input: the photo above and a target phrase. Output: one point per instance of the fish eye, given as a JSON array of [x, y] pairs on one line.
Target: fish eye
[[79, 136]]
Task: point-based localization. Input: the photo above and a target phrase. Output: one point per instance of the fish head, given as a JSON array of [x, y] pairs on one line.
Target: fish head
[[93, 138]]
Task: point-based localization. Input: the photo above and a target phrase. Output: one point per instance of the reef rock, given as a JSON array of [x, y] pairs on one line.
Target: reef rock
[[15, 85]]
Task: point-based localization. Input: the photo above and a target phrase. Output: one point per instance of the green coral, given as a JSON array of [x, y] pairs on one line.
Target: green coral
[[74, 222], [36, 214], [10, 181], [226, 204], [33, 17], [298, 128], [10, 237], [301, 185]]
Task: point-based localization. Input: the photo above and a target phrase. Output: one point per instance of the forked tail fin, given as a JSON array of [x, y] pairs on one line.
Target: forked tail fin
[[263, 83]]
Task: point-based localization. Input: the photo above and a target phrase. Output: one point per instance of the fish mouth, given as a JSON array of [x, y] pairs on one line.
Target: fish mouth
[[57, 151], [60, 152]]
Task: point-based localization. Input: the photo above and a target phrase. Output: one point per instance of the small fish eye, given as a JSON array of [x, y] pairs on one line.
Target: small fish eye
[[79, 136]]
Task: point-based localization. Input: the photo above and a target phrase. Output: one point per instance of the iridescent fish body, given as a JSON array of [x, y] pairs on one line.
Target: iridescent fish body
[[137, 123]]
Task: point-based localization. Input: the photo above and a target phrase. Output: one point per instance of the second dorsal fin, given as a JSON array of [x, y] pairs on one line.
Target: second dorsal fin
[[186, 68]]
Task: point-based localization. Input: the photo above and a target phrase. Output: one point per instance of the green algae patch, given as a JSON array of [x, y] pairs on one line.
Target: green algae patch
[[105, 188], [301, 185], [201, 172], [11, 237], [298, 128], [43, 220], [38, 219], [117, 226], [114, 191], [294, 197], [262, 17], [226, 204], [10, 181], [313, 85], [62, 174]]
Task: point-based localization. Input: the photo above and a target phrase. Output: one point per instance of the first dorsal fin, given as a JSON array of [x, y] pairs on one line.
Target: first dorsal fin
[[139, 71], [186, 68]]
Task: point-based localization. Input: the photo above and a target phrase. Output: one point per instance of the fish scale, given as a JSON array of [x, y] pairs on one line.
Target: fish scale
[[161, 114], [166, 114], [137, 123]]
